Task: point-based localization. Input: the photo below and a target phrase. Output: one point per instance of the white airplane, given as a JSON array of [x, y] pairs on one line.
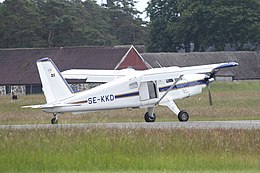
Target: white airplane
[[123, 88]]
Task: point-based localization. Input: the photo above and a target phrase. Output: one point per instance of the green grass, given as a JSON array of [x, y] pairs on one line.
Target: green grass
[[137, 150], [231, 101]]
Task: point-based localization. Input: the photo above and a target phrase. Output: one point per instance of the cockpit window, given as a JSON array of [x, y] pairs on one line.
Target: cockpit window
[[133, 85], [169, 80]]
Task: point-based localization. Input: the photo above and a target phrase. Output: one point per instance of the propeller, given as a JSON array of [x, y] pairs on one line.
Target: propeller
[[210, 79], [210, 97]]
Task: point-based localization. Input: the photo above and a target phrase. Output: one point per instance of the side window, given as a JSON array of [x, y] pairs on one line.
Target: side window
[[169, 80], [133, 85]]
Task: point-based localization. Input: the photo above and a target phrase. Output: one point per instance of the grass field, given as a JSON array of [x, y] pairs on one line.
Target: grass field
[[232, 101], [136, 150]]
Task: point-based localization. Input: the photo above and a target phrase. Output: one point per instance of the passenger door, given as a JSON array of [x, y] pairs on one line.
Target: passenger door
[[148, 92]]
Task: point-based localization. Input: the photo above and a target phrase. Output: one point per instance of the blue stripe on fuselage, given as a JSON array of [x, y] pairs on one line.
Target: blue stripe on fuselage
[[184, 85], [127, 95], [163, 89]]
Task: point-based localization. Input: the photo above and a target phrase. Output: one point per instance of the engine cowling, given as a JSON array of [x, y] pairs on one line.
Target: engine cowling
[[192, 84]]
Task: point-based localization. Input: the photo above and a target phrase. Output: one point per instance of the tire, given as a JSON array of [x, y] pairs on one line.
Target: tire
[[148, 118], [54, 121], [183, 116]]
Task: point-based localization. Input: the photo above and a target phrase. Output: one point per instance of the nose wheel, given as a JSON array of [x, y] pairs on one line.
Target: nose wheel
[[55, 119]]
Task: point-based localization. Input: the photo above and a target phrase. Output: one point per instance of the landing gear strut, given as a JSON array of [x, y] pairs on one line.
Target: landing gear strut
[[55, 119], [183, 116]]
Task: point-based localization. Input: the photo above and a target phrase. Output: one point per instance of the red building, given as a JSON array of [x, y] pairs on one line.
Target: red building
[[132, 59]]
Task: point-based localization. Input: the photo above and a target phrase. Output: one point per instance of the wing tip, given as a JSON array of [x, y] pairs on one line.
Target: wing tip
[[229, 64], [43, 59]]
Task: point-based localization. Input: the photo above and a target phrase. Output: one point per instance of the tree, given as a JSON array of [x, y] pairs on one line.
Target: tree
[[64, 23], [127, 26], [19, 24], [163, 14], [99, 20], [204, 23], [235, 23], [55, 23]]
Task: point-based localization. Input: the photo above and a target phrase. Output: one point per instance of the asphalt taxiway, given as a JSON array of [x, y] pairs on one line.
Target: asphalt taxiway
[[252, 124]]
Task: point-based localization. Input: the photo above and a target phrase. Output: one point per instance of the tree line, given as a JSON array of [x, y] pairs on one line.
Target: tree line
[[55, 23], [176, 24], [173, 25]]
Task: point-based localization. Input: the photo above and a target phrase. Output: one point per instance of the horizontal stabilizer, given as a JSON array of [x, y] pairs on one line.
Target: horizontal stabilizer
[[34, 106], [46, 106]]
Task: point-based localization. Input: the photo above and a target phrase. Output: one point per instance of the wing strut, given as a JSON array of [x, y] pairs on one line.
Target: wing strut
[[173, 85]]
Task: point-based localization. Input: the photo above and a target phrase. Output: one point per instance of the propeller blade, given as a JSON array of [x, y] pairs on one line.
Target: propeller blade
[[210, 97]]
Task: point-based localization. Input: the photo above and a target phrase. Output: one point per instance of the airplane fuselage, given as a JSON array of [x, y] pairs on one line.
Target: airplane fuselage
[[141, 89]]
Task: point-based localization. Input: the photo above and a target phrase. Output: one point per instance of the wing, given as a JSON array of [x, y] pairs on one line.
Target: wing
[[96, 75], [212, 68], [175, 72], [151, 74]]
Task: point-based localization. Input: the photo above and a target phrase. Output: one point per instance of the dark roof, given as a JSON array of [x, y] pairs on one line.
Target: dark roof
[[18, 65], [249, 61]]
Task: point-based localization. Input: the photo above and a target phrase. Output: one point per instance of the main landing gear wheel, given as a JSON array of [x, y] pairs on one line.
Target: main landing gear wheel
[[183, 116], [149, 118], [55, 119]]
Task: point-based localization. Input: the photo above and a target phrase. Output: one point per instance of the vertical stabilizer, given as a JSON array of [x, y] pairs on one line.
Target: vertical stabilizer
[[55, 87]]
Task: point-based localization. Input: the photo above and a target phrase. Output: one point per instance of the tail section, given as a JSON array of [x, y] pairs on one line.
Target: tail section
[[55, 87]]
